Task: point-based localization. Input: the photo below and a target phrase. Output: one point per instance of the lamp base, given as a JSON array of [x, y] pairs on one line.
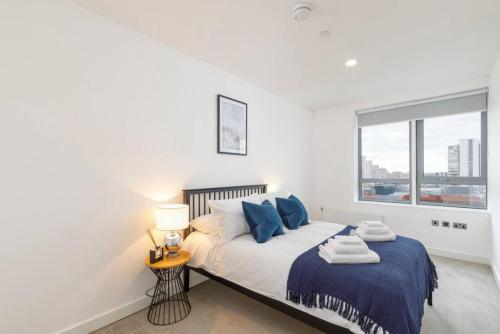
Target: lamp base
[[172, 241]]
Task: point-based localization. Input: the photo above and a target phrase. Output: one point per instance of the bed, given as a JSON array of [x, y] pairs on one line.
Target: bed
[[228, 262]]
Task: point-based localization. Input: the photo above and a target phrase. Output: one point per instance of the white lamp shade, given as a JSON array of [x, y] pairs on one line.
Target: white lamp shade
[[172, 217]]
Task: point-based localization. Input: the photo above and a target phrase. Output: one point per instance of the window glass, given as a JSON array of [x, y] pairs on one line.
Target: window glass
[[386, 192], [453, 161], [450, 153], [386, 151], [385, 163], [452, 146], [473, 196]]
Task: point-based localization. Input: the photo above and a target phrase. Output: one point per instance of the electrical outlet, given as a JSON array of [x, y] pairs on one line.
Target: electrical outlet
[[435, 222], [446, 223], [460, 226]]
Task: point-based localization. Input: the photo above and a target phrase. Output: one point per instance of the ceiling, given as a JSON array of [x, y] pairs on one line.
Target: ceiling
[[399, 44]]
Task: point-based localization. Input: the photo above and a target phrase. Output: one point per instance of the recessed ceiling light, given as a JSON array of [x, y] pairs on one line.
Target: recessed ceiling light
[[351, 62], [324, 33]]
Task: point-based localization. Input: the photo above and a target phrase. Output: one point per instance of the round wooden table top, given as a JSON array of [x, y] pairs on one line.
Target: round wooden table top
[[170, 262]]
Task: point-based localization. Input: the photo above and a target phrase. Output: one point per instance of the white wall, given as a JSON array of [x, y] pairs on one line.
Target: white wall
[[97, 125], [494, 163], [334, 183]]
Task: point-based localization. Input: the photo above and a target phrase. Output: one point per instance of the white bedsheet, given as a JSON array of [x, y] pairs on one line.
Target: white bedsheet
[[263, 268]]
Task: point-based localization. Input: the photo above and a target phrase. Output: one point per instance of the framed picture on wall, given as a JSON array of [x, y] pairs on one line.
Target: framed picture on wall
[[232, 126]]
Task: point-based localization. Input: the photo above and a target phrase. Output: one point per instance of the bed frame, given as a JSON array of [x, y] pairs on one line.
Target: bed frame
[[197, 199]]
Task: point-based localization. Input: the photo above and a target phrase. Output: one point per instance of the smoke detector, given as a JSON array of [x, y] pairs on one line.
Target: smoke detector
[[301, 12]]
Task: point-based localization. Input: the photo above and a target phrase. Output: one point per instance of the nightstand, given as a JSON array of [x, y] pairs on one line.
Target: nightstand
[[169, 303]]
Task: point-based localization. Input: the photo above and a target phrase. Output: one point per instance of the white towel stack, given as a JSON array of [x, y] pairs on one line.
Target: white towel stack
[[347, 250], [375, 231]]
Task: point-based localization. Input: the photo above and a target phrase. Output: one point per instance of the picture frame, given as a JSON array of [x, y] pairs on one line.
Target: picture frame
[[232, 126]]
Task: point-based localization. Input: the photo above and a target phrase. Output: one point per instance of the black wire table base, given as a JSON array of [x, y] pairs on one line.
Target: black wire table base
[[169, 303]]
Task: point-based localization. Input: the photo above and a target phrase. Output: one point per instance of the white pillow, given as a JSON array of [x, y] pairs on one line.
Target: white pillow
[[271, 197], [231, 221], [205, 224]]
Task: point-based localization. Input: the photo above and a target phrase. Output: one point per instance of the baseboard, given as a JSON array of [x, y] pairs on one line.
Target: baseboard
[[459, 255], [107, 318], [496, 274], [120, 312]]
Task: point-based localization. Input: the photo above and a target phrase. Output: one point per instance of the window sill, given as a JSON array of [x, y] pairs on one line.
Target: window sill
[[426, 207]]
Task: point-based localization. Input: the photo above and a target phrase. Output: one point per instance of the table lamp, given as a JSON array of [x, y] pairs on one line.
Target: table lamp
[[172, 218]]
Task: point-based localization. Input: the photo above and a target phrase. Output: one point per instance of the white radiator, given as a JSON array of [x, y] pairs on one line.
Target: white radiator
[[347, 217]]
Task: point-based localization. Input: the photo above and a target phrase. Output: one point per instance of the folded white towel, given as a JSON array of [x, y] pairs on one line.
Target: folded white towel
[[375, 230], [328, 251], [341, 248], [370, 257], [348, 239], [372, 223], [391, 236]]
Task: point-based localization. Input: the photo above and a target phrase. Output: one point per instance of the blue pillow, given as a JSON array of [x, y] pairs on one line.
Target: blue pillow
[[264, 220], [292, 212], [302, 206]]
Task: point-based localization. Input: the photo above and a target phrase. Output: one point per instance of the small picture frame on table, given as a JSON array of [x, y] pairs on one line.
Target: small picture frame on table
[[156, 255], [232, 116]]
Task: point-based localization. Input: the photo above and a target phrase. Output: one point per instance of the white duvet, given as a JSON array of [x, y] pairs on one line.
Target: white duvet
[[263, 268]]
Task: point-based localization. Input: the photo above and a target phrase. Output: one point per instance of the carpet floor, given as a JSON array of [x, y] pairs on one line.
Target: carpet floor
[[467, 301]]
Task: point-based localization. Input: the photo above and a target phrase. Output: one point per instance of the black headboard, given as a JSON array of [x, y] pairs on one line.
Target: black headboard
[[197, 199]]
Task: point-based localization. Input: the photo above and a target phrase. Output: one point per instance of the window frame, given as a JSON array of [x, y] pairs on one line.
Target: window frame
[[408, 181], [451, 180]]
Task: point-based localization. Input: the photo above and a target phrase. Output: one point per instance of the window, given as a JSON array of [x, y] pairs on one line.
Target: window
[[450, 150], [384, 163], [451, 155]]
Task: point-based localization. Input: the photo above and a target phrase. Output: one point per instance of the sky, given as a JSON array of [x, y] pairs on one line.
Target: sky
[[388, 145]]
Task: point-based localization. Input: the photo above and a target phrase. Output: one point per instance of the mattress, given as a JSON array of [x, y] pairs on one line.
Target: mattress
[[263, 268]]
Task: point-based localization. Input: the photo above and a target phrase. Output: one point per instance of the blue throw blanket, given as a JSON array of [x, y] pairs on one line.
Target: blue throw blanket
[[388, 295]]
